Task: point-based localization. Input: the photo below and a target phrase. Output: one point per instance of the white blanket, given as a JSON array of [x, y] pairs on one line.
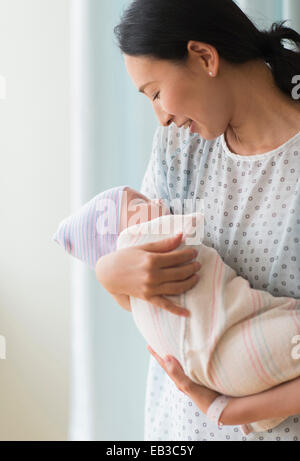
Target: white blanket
[[237, 341]]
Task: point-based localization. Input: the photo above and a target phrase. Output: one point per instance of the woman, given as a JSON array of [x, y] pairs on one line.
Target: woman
[[206, 62]]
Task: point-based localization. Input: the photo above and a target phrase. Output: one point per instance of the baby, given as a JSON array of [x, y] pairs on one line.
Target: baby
[[237, 340], [93, 231]]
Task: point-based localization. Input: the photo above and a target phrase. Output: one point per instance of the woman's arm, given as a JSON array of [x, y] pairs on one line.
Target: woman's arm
[[278, 402]]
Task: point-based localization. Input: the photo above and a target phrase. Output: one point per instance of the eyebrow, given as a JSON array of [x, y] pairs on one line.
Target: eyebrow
[[142, 89]]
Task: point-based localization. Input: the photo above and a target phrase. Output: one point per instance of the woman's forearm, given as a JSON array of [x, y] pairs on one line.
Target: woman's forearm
[[278, 402], [103, 267]]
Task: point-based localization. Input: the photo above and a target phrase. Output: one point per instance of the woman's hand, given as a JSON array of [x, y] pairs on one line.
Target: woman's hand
[[175, 371], [150, 272], [280, 401], [202, 396]]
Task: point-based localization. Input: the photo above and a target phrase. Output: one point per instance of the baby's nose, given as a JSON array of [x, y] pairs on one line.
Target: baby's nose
[[158, 202]]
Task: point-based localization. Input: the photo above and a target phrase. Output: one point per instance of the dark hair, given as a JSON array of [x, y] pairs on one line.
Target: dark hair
[[161, 29]]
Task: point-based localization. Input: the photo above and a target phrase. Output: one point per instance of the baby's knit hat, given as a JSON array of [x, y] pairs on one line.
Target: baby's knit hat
[[93, 230]]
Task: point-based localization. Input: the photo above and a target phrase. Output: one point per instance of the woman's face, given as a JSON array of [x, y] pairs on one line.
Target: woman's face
[[187, 91]]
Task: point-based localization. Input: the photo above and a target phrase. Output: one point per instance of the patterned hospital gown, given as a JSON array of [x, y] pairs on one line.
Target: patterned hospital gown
[[252, 218]]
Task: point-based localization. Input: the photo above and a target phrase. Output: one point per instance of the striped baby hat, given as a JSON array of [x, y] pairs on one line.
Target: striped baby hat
[[93, 230]]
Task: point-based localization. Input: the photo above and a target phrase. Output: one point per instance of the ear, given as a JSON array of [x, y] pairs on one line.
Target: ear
[[206, 54]]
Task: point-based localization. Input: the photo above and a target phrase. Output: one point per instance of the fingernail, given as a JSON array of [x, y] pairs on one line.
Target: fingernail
[[196, 253], [186, 313], [168, 362]]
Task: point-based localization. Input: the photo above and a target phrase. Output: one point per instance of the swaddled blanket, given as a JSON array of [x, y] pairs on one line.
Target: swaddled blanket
[[237, 341]]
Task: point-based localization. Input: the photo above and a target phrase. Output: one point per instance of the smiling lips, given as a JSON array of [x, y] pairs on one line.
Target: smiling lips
[[188, 124]]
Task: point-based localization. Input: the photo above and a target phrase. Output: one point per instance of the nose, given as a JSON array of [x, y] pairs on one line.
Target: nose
[[159, 201], [161, 204], [166, 122], [169, 122], [164, 118]]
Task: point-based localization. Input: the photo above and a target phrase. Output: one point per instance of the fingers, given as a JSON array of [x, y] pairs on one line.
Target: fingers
[[176, 288], [179, 273], [155, 355], [176, 258], [166, 304], [163, 245], [174, 369]]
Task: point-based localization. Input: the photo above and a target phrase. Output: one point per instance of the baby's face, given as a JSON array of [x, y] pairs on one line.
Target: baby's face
[[136, 209]]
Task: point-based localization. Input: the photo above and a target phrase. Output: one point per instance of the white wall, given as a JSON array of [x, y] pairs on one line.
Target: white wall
[[34, 197]]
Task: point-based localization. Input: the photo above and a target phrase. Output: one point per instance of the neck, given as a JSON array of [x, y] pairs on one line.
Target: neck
[[263, 116]]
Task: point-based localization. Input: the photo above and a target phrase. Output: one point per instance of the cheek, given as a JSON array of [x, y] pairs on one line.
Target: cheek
[[174, 101], [192, 102]]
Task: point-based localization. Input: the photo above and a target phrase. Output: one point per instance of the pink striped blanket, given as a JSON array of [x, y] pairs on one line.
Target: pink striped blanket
[[238, 341]]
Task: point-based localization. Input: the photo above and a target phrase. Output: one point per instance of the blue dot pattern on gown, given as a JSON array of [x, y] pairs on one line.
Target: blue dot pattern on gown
[[252, 218]]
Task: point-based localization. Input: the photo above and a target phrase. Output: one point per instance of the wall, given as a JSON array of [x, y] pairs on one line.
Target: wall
[[34, 197]]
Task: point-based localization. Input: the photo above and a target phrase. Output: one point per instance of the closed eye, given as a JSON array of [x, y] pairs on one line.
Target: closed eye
[[156, 96]]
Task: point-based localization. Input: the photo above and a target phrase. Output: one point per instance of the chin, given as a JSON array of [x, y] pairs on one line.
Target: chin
[[210, 136]]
